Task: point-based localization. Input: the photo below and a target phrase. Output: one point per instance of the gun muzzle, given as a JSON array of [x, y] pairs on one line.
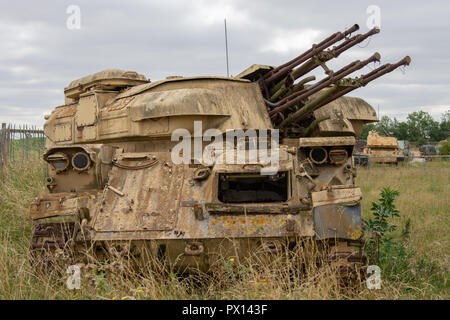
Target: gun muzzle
[[281, 71]]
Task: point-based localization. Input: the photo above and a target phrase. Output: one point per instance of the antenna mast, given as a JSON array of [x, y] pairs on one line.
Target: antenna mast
[[226, 47]]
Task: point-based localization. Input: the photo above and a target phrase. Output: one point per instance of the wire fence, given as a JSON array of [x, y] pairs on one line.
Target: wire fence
[[20, 143], [408, 161], [24, 142]]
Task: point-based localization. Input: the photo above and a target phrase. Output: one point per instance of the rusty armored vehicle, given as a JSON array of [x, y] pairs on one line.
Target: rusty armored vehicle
[[115, 181], [383, 149], [427, 150]]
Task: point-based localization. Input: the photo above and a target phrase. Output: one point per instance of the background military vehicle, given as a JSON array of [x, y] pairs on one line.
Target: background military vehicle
[[427, 150], [112, 178], [383, 149]]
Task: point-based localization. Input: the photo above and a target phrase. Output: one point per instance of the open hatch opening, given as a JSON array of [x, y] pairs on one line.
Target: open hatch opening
[[253, 187]]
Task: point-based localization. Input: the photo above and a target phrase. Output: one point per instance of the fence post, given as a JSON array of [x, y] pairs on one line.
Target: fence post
[[3, 146]]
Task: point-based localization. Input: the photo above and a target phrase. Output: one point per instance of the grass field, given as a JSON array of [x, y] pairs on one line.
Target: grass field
[[419, 269]]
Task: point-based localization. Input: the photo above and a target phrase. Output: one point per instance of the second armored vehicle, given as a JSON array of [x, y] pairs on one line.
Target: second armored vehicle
[[383, 149]]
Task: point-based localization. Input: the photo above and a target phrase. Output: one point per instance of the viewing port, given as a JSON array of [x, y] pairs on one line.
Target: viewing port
[[253, 187]]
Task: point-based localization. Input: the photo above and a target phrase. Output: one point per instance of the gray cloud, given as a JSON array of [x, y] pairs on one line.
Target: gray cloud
[[40, 56]]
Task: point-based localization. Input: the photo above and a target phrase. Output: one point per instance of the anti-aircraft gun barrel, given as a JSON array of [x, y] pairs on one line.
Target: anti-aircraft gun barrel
[[320, 58], [287, 90], [304, 90], [354, 28], [338, 91], [284, 69], [298, 93], [300, 85], [369, 77], [375, 74], [332, 78], [332, 53], [385, 69]]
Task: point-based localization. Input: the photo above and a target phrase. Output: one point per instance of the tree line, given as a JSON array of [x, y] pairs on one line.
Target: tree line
[[419, 127]]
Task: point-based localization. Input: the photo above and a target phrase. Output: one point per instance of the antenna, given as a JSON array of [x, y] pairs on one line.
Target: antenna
[[226, 47]]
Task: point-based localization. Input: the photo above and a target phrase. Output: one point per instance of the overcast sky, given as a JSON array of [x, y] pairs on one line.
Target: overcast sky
[[40, 55]]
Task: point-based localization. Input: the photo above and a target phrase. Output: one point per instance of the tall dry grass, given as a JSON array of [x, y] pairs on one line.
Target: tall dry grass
[[425, 201], [424, 198]]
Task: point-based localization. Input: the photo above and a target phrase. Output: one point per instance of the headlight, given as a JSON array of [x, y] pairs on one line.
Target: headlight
[[318, 155], [81, 161], [338, 156], [59, 161]]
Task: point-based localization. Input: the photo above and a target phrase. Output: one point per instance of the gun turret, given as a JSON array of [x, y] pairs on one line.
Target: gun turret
[[291, 100]]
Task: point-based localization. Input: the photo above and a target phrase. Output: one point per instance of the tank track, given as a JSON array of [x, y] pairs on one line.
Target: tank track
[[51, 244], [350, 259]]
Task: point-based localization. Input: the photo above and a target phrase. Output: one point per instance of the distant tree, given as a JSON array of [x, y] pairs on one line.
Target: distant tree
[[385, 126], [365, 130], [436, 134], [445, 149], [401, 130], [444, 126], [421, 126]]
